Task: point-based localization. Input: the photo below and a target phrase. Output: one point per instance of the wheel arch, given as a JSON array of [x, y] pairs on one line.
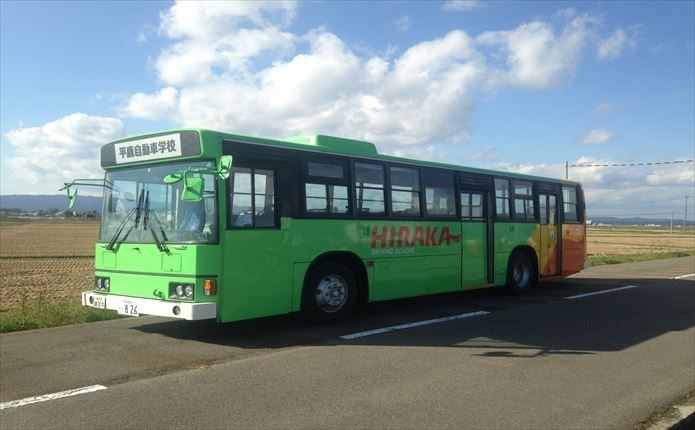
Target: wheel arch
[[531, 253], [352, 262]]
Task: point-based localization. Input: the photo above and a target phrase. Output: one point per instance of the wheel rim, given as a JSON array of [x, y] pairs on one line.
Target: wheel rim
[[331, 293], [522, 274]]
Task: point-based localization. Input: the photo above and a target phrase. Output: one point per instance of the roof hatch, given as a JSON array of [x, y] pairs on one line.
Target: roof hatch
[[336, 144]]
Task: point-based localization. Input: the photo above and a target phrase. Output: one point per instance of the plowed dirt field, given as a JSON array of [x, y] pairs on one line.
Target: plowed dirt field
[[54, 260], [46, 260], [622, 241]]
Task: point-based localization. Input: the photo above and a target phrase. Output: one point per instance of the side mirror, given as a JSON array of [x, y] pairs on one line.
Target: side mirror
[[73, 199], [224, 166], [173, 178], [192, 189]]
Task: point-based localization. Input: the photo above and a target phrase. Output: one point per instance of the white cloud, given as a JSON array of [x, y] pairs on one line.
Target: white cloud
[[143, 36], [200, 60], [597, 136], [402, 24], [661, 48], [648, 191], [606, 106], [210, 20], [614, 45], [672, 176], [424, 95], [162, 104], [462, 5], [220, 38], [537, 57], [61, 150], [244, 72]]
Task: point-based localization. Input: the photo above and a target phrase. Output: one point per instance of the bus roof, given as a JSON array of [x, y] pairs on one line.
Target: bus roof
[[343, 146]]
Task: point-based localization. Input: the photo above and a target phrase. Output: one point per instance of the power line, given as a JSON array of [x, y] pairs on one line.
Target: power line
[[653, 163], [650, 163]]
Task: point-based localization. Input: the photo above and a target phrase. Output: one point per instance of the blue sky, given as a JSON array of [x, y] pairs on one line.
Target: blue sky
[[522, 86]]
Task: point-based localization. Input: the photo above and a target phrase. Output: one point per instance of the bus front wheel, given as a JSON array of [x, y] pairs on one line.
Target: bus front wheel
[[330, 294], [520, 274]]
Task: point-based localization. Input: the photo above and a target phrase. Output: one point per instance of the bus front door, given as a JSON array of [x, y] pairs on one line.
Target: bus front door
[[549, 235], [256, 243], [475, 232]]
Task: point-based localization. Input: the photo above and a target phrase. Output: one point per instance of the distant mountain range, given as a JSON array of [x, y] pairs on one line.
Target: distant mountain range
[[32, 203], [677, 222]]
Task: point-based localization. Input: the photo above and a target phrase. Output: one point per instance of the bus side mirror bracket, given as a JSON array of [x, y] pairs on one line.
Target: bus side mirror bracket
[[72, 198], [193, 187], [86, 182], [224, 166]]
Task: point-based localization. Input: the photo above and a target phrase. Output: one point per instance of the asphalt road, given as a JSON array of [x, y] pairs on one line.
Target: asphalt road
[[541, 360]]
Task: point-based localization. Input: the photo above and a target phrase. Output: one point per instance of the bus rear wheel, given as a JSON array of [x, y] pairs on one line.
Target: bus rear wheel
[[330, 294], [521, 275]]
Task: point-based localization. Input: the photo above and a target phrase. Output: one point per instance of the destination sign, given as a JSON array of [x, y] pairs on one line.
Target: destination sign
[[151, 148]]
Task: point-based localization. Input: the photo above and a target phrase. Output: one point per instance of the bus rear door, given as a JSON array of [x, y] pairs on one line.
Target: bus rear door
[[549, 237]]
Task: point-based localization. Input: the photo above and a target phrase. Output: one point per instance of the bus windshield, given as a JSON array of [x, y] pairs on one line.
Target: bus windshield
[[135, 191]]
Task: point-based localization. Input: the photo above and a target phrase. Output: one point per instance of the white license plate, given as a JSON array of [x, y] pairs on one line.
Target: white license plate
[[99, 302], [128, 308]]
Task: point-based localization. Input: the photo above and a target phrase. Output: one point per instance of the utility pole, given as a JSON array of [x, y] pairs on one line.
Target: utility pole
[[671, 222], [685, 218], [567, 170]]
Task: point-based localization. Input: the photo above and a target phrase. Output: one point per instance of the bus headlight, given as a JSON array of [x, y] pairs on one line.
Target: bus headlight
[[181, 291], [102, 284]]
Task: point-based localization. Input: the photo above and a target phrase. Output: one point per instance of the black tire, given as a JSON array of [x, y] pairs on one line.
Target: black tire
[[521, 275], [329, 294]]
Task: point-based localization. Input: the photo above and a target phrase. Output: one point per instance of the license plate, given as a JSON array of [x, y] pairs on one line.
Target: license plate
[[128, 308], [99, 302]]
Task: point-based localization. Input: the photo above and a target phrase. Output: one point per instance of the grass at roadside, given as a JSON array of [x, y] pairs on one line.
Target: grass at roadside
[[670, 417], [43, 314], [600, 260]]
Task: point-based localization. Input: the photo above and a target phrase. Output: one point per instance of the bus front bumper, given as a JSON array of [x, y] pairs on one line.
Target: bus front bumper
[[134, 306]]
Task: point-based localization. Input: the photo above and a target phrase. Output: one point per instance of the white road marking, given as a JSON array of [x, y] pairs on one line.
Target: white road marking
[[410, 325], [684, 276], [579, 296], [52, 396]]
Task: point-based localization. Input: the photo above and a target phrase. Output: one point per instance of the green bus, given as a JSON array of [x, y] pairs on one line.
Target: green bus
[[199, 224]]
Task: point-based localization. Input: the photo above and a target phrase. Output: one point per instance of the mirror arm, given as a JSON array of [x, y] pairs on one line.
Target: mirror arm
[[87, 183], [83, 182]]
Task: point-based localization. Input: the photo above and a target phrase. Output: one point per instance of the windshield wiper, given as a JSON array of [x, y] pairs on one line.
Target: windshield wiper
[[112, 242], [138, 208], [137, 211], [146, 216]]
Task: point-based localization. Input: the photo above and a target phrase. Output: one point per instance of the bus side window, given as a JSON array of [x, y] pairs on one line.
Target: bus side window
[[252, 200], [264, 198], [471, 206], [326, 188], [502, 198], [523, 201], [369, 189], [569, 203], [439, 194], [405, 191]]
